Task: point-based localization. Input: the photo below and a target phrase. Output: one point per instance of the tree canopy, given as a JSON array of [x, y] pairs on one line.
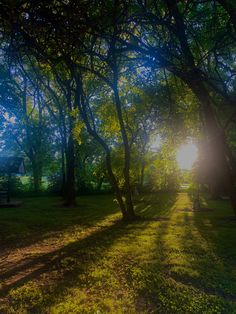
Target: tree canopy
[[88, 86]]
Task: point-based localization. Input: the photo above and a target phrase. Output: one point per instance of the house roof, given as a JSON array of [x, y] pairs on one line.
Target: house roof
[[12, 165]]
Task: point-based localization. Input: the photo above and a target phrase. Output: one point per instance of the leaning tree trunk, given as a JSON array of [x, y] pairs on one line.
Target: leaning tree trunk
[[128, 194], [115, 186], [83, 106]]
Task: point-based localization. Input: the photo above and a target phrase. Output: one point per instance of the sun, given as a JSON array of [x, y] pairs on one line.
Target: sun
[[186, 156]]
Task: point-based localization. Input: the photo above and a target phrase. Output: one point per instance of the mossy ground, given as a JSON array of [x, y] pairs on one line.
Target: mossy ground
[[86, 260]]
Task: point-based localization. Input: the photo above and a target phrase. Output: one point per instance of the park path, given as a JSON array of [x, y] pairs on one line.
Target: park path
[[17, 265], [183, 201]]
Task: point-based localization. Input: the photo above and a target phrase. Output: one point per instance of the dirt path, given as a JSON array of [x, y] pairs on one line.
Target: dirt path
[[17, 265]]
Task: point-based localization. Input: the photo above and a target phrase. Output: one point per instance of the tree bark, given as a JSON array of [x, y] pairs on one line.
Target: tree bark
[[37, 174], [128, 193], [63, 171], [70, 195], [142, 174]]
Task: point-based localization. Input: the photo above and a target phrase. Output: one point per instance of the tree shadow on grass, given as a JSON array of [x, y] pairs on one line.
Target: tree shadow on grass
[[187, 274], [217, 230], [88, 249], [204, 268], [41, 218], [68, 264], [211, 250], [74, 259], [155, 205]]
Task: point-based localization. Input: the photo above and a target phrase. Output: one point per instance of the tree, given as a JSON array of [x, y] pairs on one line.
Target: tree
[[173, 52]]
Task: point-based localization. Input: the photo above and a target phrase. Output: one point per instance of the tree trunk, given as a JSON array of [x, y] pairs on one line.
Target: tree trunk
[[63, 171], [37, 174], [115, 186], [192, 76], [215, 138], [231, 159], [70, 196], [142, 174], [83, 108], [215, 191], [81, 175], [100, 182], [63, 133], [128, 193]]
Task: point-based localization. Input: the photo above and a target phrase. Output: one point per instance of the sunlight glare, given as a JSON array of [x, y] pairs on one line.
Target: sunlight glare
[[155, 143], [186, 156]]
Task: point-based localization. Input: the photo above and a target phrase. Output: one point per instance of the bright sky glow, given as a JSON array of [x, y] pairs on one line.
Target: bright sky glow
[[8, 118], [186, 156], [155, 143]]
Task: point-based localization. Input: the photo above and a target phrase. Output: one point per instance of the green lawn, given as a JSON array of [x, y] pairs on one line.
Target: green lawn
[[85, 260]]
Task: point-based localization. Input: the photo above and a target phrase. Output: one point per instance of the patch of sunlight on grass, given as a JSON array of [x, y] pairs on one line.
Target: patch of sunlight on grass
[[28, 296], [183, 201]]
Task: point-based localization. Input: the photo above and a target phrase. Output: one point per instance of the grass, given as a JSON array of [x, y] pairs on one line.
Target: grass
[[85, 260]]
